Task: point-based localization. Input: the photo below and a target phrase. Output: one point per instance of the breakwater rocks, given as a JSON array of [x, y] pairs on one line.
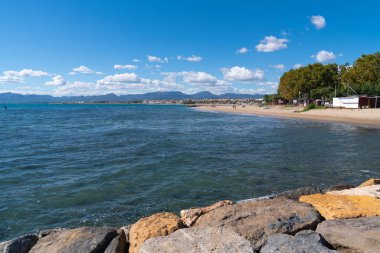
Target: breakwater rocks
[[339, 219]]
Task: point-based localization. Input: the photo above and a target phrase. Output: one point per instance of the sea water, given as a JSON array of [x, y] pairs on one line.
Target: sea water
[[109, 165]]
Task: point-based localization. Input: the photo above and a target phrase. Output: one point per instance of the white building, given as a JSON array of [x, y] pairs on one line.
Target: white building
[[347, 102]]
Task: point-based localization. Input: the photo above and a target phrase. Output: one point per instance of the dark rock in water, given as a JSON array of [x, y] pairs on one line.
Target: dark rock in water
[[21, 244], [198, 240], [304, 241], [257, 220], [118, 244], [47, 232], [338, 188], [84, 239], [352, 235], [297, 193]]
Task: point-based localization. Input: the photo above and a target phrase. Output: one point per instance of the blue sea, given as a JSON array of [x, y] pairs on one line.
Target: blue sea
[[109, 165]]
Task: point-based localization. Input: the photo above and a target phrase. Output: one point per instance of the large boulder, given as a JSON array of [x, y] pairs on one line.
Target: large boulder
[[371, 181], [342, 206], [371, 191], [352, 235], [84, 239], [159, 224], [21, 244], [189, 216], [304, 241], [257, 220], [198, 240]]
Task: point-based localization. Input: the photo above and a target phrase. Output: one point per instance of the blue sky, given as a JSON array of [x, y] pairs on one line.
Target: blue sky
[[77, 47]]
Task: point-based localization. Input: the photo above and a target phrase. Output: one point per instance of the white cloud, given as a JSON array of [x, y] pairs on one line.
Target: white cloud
[[242, 74], [84, 70], [136, 60], [192, 58], [57, 80], [12, 76], [152, 58], [121, 79], [128, 66], [157, 66], [280, 67], [271, 44], [318, 21], [297, 66], [198, 78], [25, 72], [324, 56], [199, 81], [11, 79], [242, 50], [284, 33]]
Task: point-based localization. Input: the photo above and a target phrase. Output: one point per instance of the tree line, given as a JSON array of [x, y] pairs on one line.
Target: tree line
[[320, 81]]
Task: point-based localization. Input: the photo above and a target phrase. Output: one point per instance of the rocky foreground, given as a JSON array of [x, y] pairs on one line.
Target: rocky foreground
[[340, 219]]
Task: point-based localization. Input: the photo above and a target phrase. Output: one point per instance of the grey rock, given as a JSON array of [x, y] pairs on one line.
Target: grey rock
[[118, 244], [21, 244], [297, 193], [338, 188], [352, 235], [257, 199], [47, 232], [257, 220], [84, 239], [198, 240], [306, 241]]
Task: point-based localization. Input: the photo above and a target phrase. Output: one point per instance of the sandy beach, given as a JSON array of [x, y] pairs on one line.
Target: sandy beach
[[367, 117]]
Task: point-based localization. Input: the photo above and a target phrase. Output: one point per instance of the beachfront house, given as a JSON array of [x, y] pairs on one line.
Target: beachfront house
[[356, 102]]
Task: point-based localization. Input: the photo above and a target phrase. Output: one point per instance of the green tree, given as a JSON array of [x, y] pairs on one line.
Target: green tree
[[311, 77], [364, 75]]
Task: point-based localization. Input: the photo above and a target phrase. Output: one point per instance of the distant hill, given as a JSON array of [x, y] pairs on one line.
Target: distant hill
[[13, 98]]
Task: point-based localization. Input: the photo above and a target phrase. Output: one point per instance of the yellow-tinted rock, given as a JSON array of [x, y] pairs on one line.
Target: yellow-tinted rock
[[343, 207], [159, 224], [371, 181]]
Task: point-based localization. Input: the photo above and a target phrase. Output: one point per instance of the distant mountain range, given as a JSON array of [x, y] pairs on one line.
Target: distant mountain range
[[13, 98]]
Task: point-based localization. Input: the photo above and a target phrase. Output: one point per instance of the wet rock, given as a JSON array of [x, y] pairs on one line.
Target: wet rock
[[297, 193], [371, 181], [371, 191], [159, 224], [257, 220], [21, 244], [198, 240], [352, 235], [304, 241], [343, 207], [118, 244], [84, 239], [189, 216]]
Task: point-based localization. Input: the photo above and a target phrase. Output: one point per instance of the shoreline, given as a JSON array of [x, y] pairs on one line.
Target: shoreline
[[308, 212], [361, 117]]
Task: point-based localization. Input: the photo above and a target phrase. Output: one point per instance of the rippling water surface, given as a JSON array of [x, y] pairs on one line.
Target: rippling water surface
[[76, 165]]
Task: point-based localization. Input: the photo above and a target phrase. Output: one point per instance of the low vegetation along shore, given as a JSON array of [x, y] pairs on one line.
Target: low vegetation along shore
[[339, 219], [369, 117]]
